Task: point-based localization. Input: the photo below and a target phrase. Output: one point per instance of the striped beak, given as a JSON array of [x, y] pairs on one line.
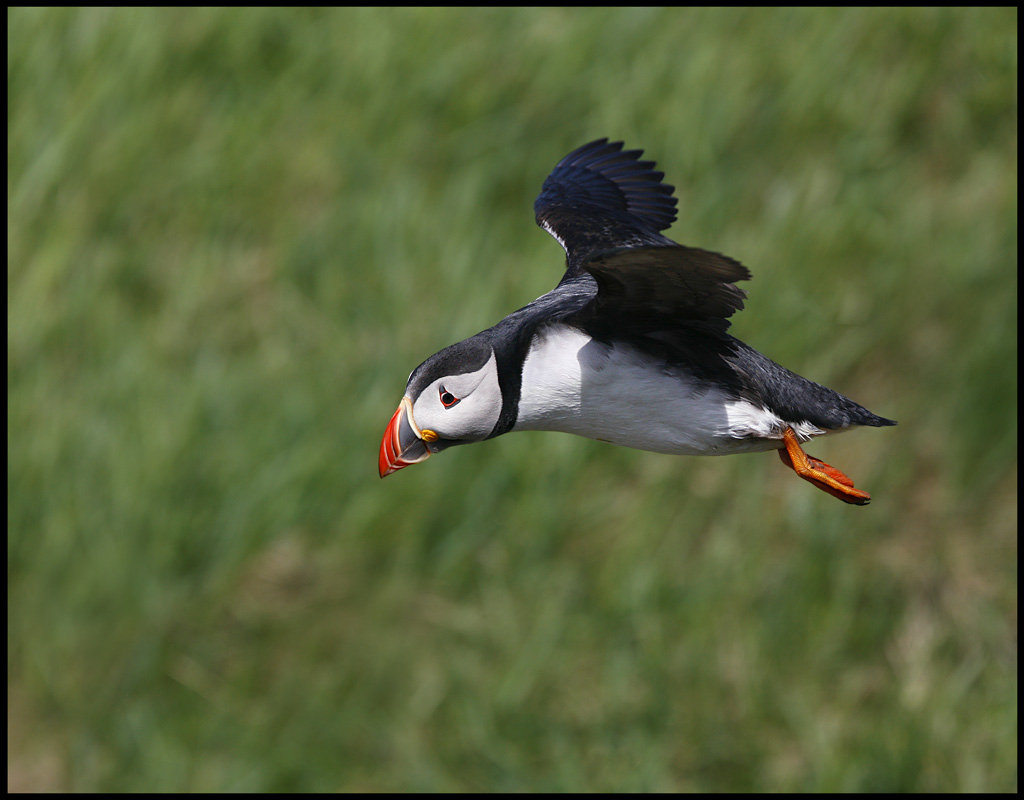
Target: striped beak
[[403, 444]]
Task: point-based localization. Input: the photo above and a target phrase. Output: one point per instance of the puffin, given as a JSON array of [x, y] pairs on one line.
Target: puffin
[[631, 347]]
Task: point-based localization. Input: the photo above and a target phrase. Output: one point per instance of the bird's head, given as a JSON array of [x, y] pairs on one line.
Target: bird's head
[[452, 398]]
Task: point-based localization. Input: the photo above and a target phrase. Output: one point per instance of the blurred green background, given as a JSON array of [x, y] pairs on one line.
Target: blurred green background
[[232, 234]]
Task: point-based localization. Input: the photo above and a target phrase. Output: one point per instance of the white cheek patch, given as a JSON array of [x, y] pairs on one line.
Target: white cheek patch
[[477, 411], [463, 386]]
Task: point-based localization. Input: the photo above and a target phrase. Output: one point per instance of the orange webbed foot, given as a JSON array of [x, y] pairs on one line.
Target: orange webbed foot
[[825, 477]]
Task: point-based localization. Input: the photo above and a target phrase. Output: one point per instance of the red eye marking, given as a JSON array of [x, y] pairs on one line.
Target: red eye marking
[[447, 398]]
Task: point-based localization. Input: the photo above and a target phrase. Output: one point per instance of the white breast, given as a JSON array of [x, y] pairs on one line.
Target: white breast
[[617, 394]]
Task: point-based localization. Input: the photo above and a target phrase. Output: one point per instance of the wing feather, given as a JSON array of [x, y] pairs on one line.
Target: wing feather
[[600, 197], [607, 208]]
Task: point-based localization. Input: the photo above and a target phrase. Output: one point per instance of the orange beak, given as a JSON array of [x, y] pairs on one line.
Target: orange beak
[[403, 444]]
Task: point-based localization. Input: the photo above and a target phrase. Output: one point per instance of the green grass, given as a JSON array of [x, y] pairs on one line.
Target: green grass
[[231, 234]]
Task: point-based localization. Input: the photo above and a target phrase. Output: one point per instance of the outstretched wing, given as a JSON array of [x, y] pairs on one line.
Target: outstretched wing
[[600, 197], [607, 208], [644, 289]]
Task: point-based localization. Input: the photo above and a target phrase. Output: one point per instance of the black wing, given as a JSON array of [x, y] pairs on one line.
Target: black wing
[[607, 208], [597, 198], [644, 289]]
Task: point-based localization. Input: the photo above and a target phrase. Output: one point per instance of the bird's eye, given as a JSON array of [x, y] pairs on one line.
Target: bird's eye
[[447, 398]]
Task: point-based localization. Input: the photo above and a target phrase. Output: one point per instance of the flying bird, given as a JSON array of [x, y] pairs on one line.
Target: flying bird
[[631, 347]]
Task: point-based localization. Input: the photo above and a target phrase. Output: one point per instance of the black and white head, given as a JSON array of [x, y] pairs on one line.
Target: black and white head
[[452, 398]]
